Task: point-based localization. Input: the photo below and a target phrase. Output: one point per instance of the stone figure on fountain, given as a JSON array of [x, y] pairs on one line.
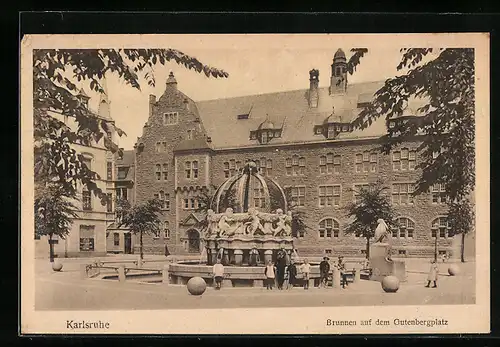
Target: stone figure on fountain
[[283, 227], [225, 221], [254, 227]]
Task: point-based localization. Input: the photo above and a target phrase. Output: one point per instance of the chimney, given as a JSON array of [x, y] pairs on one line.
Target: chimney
[[338, 80], [171, 82], [313, 88], [152, 102]]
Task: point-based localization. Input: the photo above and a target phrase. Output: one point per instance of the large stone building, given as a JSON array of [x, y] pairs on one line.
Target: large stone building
[[303, 139], [87, 236]]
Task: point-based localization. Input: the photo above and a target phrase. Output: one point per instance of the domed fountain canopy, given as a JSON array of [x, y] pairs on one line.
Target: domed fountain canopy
[[242, 184]]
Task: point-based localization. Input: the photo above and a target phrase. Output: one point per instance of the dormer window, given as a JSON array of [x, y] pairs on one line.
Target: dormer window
[[265, 132], [318, 130], [243, 116]]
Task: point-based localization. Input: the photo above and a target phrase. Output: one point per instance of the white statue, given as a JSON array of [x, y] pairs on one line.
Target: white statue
[[281, 224], [382, 231], [253, 227], [224, 226]]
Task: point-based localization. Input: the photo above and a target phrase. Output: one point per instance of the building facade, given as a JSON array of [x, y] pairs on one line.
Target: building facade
[[304, 140], [119, 239], [87, 236]]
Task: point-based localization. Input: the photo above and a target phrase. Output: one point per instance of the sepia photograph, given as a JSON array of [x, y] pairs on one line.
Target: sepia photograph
[[178, 177]]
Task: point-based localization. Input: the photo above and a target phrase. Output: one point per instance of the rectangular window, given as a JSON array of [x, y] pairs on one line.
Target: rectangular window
[[299, 195], [190, 134], [164, 146], [438, 193], [109, 202], [402, 193], [87, 236], [165, 172], [226, 170], [87, 200], [158, 147], [187, 166], [329, 195], [122, 173], [170, 118], [195, 169], [167, 202], [109, 170], [186, 204], [404, 160], [158, 172], [121, 193], [116, 239], [366, 162], [258, 198]]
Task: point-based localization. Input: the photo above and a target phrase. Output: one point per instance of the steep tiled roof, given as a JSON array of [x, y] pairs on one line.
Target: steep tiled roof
[[289, 109], [127, 159]]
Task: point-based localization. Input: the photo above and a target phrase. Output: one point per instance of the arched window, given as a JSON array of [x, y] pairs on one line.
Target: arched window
[[406, 228], [328, 228], [440, 228]]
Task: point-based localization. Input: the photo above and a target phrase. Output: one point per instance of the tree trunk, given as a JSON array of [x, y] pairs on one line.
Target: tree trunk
[[51, 249], [140, 245], [462, 249], [367, 248]]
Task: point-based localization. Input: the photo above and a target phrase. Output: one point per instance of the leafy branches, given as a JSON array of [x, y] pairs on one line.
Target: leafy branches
[[372, 204], [56, 73]]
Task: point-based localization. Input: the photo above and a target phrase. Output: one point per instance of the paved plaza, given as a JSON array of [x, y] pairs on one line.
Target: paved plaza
[[65, 290]]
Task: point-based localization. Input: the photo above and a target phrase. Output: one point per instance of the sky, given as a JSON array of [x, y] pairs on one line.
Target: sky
[[254, 67]]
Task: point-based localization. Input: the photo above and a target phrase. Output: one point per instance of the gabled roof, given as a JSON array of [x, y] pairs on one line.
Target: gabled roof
[[193, 218], [127, 159], [291, 109]]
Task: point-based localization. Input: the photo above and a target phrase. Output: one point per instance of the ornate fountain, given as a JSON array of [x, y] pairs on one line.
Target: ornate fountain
[[248, 236], [242, 236]]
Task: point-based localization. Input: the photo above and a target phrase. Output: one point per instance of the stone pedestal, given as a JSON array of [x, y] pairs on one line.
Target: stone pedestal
[[381, 266], [139, 262], [238, 257], [357, 275], [336, 278], [165, 275], [225, 258], [121, 273], [268, 255], [209, 257], [83, 271], [213, 256]]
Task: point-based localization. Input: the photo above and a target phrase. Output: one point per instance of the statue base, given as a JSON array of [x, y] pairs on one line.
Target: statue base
[[381, 266]]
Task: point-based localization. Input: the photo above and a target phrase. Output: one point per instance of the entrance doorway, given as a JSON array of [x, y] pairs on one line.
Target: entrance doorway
[[193, 241], [128, 243]]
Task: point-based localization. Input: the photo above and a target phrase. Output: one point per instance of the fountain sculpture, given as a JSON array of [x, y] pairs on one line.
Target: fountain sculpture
[[249, 236], [242, 236]]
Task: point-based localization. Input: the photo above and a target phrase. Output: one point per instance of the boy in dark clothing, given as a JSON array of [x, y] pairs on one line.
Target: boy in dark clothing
[[292, 274], [341, 267], [324, 269]]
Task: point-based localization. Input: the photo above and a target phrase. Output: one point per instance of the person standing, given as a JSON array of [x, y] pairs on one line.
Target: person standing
[[292, 274], [306, 271], [324, 269], [281, 269], [433, 274], [270, 275], [343, 274], [218, 273]]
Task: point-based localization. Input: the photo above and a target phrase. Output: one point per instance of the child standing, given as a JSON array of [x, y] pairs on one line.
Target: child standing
[[306, 270], [270, 275], [433, 274]]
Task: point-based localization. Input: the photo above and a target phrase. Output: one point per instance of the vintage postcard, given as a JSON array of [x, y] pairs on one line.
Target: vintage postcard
[[255, 184]]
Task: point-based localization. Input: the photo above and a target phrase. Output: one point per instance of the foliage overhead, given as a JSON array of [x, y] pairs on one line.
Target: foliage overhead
[[373, 205], [56, 73], [141, 218], [54, 211]]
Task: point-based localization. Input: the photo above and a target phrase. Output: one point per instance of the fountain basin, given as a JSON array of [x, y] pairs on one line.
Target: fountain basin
[[234, 276]]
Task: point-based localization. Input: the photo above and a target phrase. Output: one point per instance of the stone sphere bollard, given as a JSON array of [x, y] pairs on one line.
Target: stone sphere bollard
[[453, 270], [390, 284], [196, 286], [56, 266]]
